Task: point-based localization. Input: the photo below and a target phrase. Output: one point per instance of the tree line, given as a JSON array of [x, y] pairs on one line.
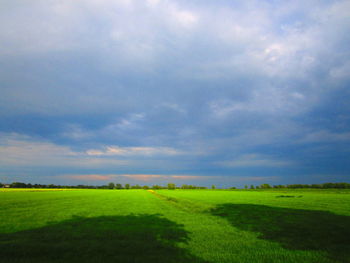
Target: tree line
[[172, 186], [295, 186]]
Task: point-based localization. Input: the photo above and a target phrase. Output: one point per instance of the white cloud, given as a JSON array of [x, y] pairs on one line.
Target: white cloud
[[153, 3], [255, 160], [127, 18], [127, 33], [134, 151], [325, 136], [23, 151], [341, 72], [270, 100], [19, 150], [173, 106], [185, 18], [76, 132], [128, 123], [135, 177]]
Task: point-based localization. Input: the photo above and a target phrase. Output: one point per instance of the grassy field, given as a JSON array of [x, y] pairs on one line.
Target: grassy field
[[174, 226]]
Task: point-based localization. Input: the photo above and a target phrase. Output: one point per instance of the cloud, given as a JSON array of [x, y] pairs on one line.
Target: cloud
[[142, 177], [188, 177], [341, 71], [135, 177], [255, 160], [148, 177], [20, 150], [89, 177], [133, 151], [325, 137], [271, 101], [184, 18], [173, 87]]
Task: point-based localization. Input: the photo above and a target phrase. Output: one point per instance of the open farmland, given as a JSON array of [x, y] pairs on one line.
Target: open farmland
[[174, 226]]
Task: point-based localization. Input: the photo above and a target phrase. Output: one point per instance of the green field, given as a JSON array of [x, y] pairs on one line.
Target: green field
[[175, 226]]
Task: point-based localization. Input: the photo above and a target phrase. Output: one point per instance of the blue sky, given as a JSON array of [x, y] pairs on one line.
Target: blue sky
[[196, 92]]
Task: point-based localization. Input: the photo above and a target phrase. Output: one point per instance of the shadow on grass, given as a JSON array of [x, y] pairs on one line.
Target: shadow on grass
[[132, 238], [293, 228]]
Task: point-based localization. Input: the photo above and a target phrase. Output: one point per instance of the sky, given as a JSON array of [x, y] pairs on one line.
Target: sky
[[189, 92]]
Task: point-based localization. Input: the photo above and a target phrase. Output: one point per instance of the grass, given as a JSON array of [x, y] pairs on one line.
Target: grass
[[175, 226]]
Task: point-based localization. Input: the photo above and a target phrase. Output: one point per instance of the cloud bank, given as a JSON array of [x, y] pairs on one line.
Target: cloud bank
[[223, 89]]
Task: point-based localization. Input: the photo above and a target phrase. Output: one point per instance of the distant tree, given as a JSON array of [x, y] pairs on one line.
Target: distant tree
[[127, 186], [342, 185], [171, 186], [18, 185], [320, 186], [145, 187], [118, 186], [294, 186], [279, 186], [246, 187], [257, 187], [1, 185], [156, 187], [265, 186], [252, 186], [136, 186], [233, 187], [186, 186], [316, 186], [111, 186], [213, 187]]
